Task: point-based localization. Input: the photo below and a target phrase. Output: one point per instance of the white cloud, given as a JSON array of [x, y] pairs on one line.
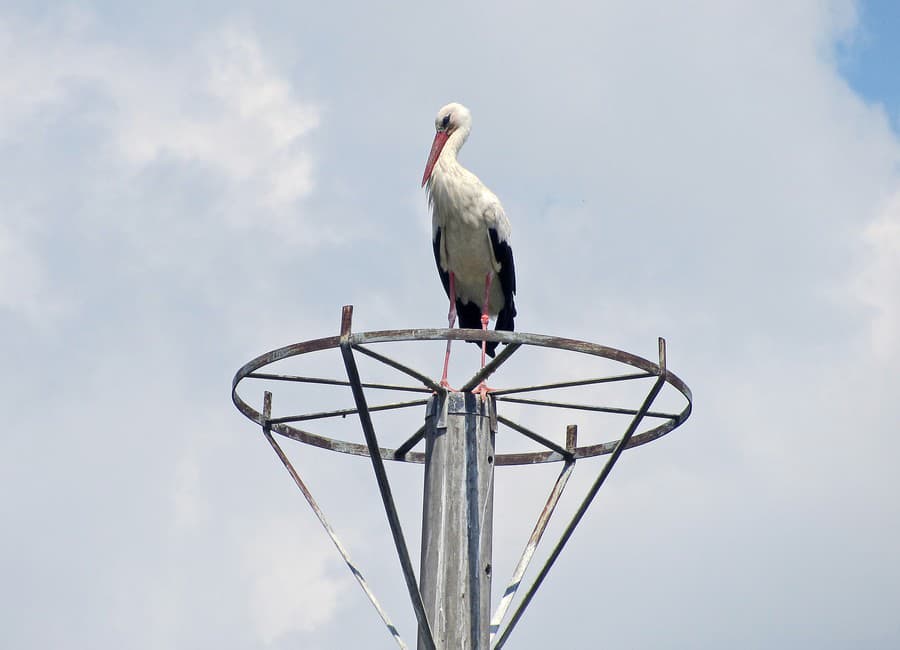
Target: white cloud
[[219, 103], [224, 106], [157, 162]]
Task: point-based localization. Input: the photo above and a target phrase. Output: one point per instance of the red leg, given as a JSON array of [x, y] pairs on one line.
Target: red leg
[[451, 319], [484, 313], [482, 388]]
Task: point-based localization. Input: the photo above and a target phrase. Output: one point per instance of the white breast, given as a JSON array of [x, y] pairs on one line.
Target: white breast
[[463, 209]]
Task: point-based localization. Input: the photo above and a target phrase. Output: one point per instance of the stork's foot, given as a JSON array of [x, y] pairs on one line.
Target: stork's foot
[[446, 386], [482, 389]]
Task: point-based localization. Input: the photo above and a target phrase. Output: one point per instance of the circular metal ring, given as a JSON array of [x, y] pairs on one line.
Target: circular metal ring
[[357, 340]]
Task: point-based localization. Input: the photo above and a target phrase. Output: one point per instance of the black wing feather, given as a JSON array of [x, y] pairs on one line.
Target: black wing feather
[[445, 276], [503, 254]]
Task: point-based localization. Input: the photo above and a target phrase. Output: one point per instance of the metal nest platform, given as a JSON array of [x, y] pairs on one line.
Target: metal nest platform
[[351, 344]]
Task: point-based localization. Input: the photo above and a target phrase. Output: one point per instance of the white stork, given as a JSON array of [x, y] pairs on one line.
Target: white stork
[[470, 233]]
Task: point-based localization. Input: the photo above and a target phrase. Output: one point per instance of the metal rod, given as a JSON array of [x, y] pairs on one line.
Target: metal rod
[[570, 384], [267, 432], [382, 479], [345, 412], [333, 382], [565, 453], [415, 374], [531, 547], [491, 367], [402, 450], [607, 468], [586, 407]]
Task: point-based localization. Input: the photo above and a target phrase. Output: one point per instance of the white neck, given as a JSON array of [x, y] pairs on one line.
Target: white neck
[[455, 142]]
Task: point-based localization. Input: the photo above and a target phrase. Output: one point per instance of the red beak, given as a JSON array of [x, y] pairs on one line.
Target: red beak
[[440, 139]]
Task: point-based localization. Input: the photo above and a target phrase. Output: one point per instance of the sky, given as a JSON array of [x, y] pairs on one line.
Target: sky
[[185, 187]]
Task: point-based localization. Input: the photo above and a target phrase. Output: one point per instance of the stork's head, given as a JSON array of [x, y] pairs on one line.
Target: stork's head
[[452, 119]]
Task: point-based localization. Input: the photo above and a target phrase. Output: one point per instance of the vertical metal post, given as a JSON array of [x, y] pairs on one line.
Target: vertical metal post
[[457, 519]]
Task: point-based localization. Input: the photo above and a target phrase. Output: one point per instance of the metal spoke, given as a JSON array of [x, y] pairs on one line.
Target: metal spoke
[[346, 412], [491, 367], [403, 449], [586, 407], [570, 384], [528, 433], [415, 374], [333, 382]]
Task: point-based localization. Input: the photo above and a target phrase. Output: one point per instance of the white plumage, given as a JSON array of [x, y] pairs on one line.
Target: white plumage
[[470, 232]]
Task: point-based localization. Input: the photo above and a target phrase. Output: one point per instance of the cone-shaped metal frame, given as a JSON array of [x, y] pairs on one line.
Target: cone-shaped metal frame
[[350, 343]]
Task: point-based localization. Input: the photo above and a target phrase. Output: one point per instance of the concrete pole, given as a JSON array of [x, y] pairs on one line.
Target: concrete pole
[[457, 520]]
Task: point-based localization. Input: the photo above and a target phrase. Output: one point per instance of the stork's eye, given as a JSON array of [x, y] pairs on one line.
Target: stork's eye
[[445, 121]]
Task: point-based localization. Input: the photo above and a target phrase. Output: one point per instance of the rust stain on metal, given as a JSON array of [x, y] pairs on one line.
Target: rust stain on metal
[[571, 437], [346, 321]]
